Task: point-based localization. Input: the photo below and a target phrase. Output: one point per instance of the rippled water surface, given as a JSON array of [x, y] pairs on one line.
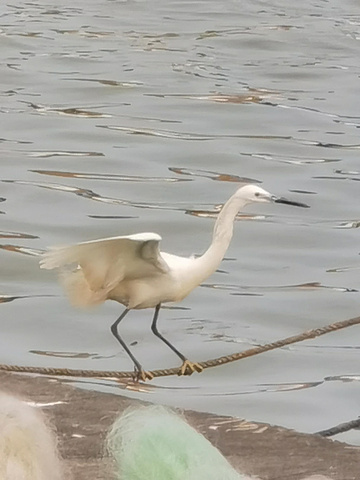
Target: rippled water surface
[[125, 116]]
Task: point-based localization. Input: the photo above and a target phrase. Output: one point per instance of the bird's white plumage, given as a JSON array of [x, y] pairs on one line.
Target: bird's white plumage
[[103, 264], [98, 256], [131, 269]]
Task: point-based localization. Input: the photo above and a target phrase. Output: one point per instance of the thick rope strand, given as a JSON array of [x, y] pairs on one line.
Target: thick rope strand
[[67, 372]]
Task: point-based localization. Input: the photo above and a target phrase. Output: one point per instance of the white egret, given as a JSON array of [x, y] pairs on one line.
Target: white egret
[[132, 271]]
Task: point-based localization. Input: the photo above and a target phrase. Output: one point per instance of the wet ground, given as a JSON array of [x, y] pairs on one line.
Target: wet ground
[[82, 419]]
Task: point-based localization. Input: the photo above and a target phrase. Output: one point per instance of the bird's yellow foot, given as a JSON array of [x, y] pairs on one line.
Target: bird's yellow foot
[[188, 368], [140, 374]]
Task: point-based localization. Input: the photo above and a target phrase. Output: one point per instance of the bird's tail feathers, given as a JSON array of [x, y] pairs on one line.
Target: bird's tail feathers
[[78, 289], [57, 257]]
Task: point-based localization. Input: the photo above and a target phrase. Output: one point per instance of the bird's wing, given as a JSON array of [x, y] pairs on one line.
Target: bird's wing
[[108, 261]]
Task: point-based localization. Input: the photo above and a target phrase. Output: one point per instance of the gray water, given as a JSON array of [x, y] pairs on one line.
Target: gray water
[[122, 117]]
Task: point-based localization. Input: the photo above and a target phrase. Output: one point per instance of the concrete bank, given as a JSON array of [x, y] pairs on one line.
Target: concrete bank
[[271, 453]]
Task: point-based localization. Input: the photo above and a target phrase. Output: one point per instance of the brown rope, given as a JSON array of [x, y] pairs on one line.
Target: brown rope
[[341, 428], [66, 372]]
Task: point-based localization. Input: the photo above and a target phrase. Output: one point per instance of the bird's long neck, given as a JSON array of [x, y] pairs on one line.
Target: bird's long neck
[[223, 231]]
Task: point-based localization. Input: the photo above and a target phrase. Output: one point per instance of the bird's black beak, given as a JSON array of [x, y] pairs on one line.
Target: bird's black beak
[[285, 201]]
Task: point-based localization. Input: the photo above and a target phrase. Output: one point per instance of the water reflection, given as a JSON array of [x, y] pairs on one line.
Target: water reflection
[[354, 146], [75, 355], [187, 135], [112, 217], [343, 378], [268, 388], [222, 177], [252, 290], [343, 269], [34, 252], [71, 111], [17, 235], [291, 159], [11, 298], [49, 154], [2, 199], [251, 96], [84, 33], [109, 176], [350, 224], [89, 194], [152, 388], [109, 83], [214, 214]]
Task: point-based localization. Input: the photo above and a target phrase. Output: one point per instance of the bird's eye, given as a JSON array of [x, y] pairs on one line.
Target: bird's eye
[[257, 194]]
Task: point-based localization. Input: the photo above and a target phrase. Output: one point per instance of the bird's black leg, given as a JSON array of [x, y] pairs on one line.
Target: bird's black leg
[[139, 371], [187, 367]]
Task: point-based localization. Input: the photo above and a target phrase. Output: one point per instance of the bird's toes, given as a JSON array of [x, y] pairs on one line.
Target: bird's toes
[[140, 374], [198, 367], [188, 368], [147, 376]]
